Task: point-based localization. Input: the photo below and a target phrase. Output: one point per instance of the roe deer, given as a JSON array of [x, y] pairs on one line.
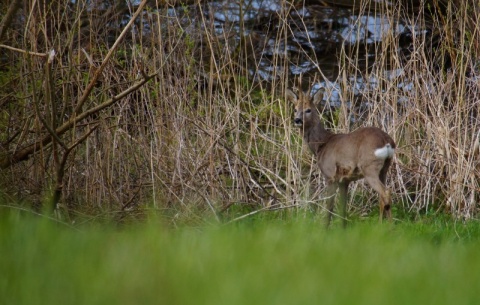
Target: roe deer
[[342, 158]]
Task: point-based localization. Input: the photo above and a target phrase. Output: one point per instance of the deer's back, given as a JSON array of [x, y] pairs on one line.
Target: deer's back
[[345, 156]]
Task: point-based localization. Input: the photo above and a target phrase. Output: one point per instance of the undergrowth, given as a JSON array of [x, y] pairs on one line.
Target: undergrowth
[[290, 260]]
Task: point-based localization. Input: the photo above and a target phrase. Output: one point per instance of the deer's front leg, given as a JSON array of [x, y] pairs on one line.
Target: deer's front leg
[[330, 195], [343, 198]]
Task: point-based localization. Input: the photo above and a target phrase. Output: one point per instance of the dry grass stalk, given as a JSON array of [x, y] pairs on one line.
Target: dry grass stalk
[[203, 136]]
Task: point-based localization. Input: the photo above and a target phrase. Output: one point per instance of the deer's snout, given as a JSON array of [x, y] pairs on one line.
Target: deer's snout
[[298, 122]]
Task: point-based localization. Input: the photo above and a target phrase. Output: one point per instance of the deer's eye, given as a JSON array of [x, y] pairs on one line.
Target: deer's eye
[[308, 110]]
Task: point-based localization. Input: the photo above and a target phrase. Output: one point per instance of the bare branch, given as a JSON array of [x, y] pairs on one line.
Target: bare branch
[[92, 83], [23, 51], [7, 19], [24, 153]]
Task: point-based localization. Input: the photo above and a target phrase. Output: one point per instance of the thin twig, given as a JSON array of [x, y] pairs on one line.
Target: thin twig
[[23, 51]]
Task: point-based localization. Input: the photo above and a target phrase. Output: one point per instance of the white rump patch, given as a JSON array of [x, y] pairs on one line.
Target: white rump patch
[[385, 152]]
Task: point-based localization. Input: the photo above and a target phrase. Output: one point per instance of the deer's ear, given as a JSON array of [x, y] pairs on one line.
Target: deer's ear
[[318, 97], [291, 96]]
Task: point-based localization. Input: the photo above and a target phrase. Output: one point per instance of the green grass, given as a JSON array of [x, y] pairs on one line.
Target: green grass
[[292, 261]]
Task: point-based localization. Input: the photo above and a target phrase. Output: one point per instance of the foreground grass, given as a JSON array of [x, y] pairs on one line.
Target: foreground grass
[[255, 262]]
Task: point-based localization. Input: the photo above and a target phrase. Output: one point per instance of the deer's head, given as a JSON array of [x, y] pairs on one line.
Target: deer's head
[[305, 107]]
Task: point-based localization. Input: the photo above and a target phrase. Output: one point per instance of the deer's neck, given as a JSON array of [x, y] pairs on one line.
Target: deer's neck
[[316, 136]]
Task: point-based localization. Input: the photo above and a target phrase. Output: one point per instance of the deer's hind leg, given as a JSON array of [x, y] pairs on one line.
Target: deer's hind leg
[[384, 170], [383, 179], [374, 179]]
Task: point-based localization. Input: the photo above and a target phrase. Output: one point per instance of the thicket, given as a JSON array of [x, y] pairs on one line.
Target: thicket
[[110, 108]]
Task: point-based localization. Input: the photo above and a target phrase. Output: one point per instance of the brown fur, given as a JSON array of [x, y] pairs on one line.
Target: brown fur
[[343, 158]]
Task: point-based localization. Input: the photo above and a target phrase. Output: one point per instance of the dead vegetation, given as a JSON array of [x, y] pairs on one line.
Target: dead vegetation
[[145, 108]]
